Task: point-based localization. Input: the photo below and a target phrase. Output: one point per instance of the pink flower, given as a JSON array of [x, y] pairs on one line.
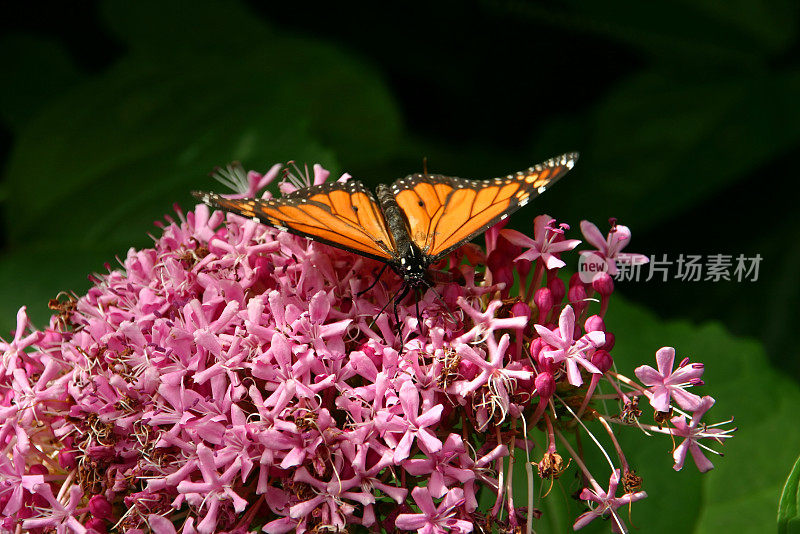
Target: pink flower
[[242, 373], [547, 243], [434, 519], [694, 432], [666, 384], [606, 504], [10, 351], [567, 349], [610, 248], [411, 423]]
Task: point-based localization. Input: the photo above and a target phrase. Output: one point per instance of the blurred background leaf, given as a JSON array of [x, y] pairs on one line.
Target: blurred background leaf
[[685, 113]]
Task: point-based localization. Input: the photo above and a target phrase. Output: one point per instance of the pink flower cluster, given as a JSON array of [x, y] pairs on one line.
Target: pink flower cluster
[[234, 378]]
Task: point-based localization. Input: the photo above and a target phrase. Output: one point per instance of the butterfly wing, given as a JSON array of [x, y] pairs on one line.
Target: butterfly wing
[[444, 212], [341, 214]]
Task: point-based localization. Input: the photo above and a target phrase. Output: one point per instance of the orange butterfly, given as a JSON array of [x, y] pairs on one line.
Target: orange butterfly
[[413, 223]]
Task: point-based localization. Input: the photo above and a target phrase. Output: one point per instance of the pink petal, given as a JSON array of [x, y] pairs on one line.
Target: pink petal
[[403, 448], [540, 224], [160, 524], [686, 373], [660, 400], [648, 376], [549, 337], [593, 236], [573, 373], [566, 324], [319, 307], [551, 262], [409, 399], [429, 441], [679, 455], [703, 464], [596, 338], [665, 357], [422, 497], [688, 401], [431, 417], [563, 246], [410, 521], [517, 238]]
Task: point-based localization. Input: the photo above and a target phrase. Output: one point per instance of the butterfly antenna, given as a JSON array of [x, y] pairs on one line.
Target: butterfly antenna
[[377, 279], [425, 165]]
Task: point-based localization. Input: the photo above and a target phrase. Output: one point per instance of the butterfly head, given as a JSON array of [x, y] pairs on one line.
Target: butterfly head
[[412, 265]]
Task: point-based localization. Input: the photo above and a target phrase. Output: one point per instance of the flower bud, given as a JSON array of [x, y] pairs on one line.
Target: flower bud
[[609, 344], [100, 507], [523, 268], [39, 469], [603, 284], [577, 298], [557, 289], [602, 360], [543, 298], [595, 323], [520, 309], [467, 369], [526, 384], [536, 348], [545, 385], [67, 459], [95, 524], [575, 280]]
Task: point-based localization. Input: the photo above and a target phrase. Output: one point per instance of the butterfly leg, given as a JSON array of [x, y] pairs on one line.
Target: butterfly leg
[[377, 278], [418, 295], [399, 297]]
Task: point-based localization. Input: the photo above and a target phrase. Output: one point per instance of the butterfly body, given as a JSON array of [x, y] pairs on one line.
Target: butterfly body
[[409, 261], [412, 224]]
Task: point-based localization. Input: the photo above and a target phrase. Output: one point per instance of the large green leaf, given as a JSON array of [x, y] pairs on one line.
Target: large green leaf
[[741, 33], [789, 507], [656, 148]]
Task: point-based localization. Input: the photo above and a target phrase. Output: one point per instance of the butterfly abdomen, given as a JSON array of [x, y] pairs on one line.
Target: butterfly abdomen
[[410, 262]]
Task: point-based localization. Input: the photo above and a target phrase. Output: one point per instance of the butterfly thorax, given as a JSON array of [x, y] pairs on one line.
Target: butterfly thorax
[[409, 262]]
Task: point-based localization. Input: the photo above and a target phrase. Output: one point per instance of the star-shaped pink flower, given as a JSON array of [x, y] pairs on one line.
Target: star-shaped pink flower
[[548, 241], [694, 431], [610, 248], [607, 504], [666, 384], [569, 349], [435, 519]]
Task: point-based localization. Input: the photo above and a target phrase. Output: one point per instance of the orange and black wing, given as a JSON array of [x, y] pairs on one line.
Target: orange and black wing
[[445, 212], [340, 214]]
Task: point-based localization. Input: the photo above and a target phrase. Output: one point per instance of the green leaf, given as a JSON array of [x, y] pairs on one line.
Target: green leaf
[[741, 33], [34, 70], [657, 147], [789, 506]]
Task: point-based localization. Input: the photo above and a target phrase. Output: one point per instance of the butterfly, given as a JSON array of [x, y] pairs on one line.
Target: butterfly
[[408, 225]]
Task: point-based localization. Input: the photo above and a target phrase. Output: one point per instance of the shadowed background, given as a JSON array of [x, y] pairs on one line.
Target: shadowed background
[[686, 117]]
